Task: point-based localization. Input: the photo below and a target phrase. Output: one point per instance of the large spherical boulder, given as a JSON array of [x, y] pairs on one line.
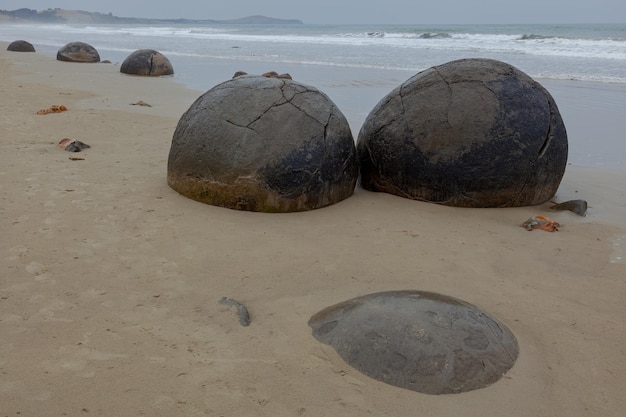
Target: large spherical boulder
[[263, 144], [78, 52], [21, 46], [147, 62], [469, 133]]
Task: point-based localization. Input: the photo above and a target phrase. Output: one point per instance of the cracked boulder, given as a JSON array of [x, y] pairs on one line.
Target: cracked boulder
[[469, 133], [263, 144], [21, 46], [78, 52], [147, 62]]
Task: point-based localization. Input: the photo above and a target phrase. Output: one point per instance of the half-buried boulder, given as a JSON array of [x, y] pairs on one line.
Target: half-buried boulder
[[421, 341], [469, 133], [21, 46], [147, 62], [263, 144], [78, 52]]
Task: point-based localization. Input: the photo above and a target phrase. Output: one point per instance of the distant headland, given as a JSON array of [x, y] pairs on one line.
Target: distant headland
[[81, 16]]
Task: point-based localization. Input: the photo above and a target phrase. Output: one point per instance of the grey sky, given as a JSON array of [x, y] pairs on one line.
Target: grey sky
[[356, 11]]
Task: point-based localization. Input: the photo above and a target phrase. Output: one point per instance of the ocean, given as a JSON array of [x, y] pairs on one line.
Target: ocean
[[574, 52], [357, 65]]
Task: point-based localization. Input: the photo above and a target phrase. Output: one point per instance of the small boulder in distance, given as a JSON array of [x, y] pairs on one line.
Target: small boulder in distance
[[147, 62], [21, 46], [78, 52]]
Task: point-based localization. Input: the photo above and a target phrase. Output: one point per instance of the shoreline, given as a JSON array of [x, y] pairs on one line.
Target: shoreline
[[590, 109], [111, 281]]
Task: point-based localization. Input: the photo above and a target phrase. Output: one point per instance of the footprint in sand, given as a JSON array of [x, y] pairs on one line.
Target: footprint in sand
[[35, 268], [38, 270], [619, 251]]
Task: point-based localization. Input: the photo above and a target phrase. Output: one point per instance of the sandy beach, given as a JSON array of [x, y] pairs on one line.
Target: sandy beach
[[110, 280]]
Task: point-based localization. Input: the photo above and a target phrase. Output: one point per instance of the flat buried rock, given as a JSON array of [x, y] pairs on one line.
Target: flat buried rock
[[421, 341]]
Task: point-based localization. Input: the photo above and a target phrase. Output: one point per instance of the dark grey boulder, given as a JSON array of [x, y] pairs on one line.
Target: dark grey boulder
[[263, 144], [417, 340], [469, 133], [78, 52], [21, 46], [147, 62]]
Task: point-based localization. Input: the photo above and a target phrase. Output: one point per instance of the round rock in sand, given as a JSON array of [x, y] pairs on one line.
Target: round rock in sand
[[469, 133], [21, 46], [420, 341], [147, 62], [263, 144], [78, 52]]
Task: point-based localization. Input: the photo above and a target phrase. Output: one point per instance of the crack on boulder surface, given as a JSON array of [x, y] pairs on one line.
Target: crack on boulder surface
[[548, 139], [230, 122], [276, 103], [298, 93], [391, 121], [514, 200], [327, 124], [292, 91], [490, 90], [449, 101]]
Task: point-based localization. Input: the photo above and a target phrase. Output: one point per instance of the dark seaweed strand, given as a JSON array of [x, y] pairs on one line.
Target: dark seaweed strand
[[242, 311]]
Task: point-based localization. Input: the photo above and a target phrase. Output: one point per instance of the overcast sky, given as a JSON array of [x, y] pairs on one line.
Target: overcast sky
[[355, 11]]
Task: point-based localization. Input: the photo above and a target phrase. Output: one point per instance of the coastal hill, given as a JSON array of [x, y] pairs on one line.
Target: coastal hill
[[80, 16]]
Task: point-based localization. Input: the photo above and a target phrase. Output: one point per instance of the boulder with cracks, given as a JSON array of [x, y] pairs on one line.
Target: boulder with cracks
[[263, 144], [469, 133], [78, 52], [147, 62]]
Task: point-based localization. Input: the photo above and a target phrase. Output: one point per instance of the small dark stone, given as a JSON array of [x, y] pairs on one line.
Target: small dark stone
[[418, 340], [21, 46], [76, 146], [147, 62], [242, 311], [274, 74], [469, 133], [78, 52], [270, 74], [577, 206]]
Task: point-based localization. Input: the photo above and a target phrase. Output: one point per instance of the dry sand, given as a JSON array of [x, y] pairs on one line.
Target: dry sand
[[110, 280]]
